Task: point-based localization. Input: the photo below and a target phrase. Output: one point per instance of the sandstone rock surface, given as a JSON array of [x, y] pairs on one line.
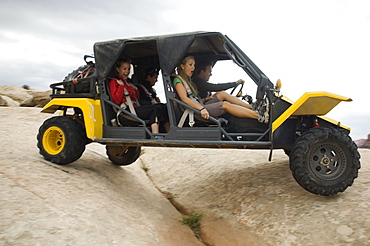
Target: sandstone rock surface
[[14, 96], [245, 199], [251, 198], [89, 202], [363, 143], [8, 102]]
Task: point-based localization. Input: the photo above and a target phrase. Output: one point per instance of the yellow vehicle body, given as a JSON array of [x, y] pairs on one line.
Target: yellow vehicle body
[[312, 103], [92, 113]]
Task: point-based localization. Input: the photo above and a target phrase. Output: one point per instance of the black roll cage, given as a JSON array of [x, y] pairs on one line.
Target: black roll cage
[[166, 52]]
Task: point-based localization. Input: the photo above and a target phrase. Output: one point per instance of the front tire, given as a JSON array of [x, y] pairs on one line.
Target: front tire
[[324, 161], [123, 155], [61, 140]]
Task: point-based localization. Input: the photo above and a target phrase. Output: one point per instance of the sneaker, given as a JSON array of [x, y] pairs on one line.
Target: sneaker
[[263, 111]]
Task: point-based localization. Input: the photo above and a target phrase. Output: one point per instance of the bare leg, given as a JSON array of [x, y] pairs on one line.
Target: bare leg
[[223, 96], [239, 111], [155, 126]]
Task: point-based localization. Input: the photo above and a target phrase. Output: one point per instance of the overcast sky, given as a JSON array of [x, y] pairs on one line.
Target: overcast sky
[[316, 45]]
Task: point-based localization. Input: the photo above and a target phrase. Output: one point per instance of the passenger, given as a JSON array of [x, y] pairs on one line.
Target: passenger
[[148, 95], [188, 93], [202, 73], [119, 86]]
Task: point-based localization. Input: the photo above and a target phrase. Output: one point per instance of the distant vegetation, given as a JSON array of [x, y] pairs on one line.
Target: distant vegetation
[[26, 87]]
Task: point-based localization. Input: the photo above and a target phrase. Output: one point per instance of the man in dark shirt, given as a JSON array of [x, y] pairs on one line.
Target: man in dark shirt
[[203, 70]]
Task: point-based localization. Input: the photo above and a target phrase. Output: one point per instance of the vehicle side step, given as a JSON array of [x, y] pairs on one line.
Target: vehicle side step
[[188, 143]]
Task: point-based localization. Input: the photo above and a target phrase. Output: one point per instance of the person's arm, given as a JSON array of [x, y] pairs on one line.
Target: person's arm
[[218, 87], [134, 92], [181, 92], [204, 87], [116, 91]]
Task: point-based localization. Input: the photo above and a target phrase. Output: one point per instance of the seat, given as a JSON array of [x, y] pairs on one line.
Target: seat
[[192, 116], [123, 116]]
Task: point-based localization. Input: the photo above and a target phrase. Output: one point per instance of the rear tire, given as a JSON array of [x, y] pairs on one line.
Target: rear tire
[[324, 161], [123, 155], [61, 140]]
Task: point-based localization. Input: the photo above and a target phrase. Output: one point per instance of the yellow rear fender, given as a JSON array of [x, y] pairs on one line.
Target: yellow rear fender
[[93, 117], [312, 103]]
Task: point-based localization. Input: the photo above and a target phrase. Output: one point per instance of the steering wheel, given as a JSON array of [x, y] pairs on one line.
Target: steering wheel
[[239, 93], [245, 97]]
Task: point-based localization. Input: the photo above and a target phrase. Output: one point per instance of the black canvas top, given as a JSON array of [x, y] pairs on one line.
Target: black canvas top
[[167, 49]]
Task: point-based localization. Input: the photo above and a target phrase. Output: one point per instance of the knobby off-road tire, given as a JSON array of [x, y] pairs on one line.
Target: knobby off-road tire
[[123, 155], [61, 140], [324, 161], [287, 152]]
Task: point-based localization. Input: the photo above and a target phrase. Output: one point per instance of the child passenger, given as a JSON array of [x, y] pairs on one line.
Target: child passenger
[[187, 92], [119, 85]]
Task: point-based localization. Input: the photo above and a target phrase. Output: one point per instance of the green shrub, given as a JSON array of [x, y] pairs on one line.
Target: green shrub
[[26, 87], [193, 221]]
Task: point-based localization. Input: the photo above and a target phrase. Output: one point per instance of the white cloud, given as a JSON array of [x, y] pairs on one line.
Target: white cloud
[[37, 50]]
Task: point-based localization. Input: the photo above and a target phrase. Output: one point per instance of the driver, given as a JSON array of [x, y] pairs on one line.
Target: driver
[[203, 70]]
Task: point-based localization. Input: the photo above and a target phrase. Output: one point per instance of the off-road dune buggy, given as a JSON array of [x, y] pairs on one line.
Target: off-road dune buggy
[[323, 158]]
